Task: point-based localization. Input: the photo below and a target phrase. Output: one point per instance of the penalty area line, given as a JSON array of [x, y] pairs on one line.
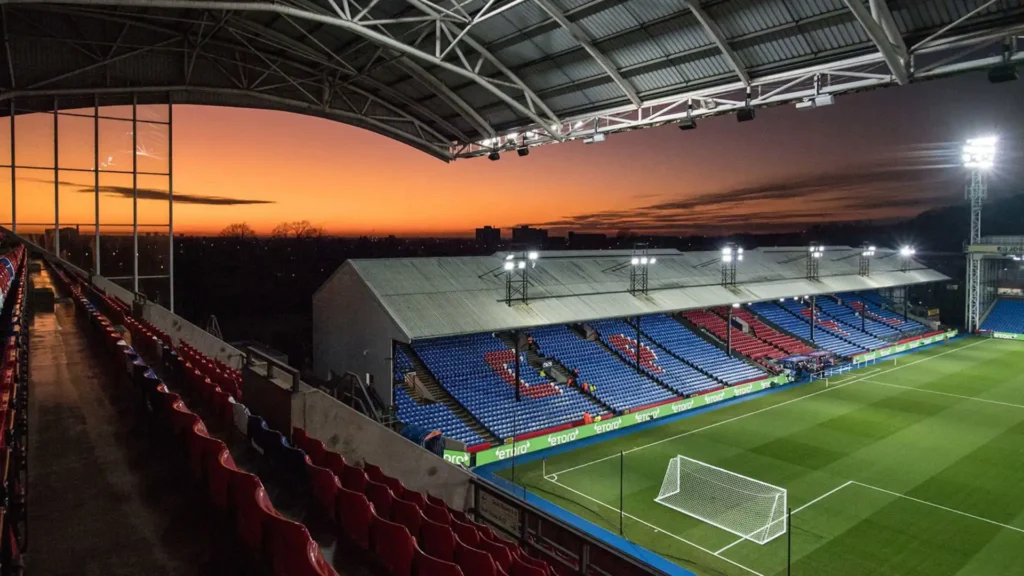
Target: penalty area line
[[818, 499], [845, 383], [655, 528]]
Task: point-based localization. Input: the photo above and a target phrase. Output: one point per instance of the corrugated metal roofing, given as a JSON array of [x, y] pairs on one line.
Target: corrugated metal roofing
[[658, 46], [431, 297]]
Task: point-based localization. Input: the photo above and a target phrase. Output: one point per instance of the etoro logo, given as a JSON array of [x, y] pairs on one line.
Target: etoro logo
[[682, 406], [557, 439], [602, 427], [712, 398], [645, 416], [741, 390], [520, 449]]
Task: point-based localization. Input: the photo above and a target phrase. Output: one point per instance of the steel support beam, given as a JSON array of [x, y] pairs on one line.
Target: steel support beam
[[881, 14], [170, 200], [135, 193], [718, 37], [56, 181], [581, 37], [96, 182], [897, 64], [14, 180]]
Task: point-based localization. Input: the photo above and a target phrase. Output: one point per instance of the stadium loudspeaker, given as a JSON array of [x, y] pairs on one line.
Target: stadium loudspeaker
[[687, 124], [524, 151], [745, 115], [1005, 73], [494, 156]]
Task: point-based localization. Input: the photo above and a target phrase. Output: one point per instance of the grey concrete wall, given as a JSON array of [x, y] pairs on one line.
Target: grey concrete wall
[[114, 289], [360, 439], [268, 398], [352, 332], [180, 329]]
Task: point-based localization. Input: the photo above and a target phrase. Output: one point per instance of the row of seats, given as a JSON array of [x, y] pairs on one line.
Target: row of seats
[[663, 367], [845, 332], [875, 303], [406, 532], [432, 415], [1006, 316], [677, 339], [471, 369], [610, 380], [284, 545], [13, 407], [781, 340], [851, 318], [745, 343], [797, 324]]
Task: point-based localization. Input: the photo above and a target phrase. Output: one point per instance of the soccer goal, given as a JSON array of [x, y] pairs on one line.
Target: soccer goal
[[746, 507]]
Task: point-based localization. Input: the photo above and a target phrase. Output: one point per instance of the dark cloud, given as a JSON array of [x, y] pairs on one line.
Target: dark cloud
[[154, 194], [866, 192]]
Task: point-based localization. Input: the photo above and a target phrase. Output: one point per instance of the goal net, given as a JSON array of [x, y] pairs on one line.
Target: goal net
[[746, 507]]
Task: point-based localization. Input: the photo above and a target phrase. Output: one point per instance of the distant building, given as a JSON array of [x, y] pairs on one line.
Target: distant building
[[488, 236], [586, 241], [532, 237]]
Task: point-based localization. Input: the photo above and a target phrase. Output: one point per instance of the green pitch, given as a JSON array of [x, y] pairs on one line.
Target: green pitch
[[909, 468]]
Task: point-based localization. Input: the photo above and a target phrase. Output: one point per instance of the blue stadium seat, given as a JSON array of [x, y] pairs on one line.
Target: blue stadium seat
[[432, 415], [1005, 316], [796, 324], [873, 303], [679, 340]]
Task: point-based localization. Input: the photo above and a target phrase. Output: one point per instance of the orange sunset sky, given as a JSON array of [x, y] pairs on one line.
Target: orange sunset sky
[[883, 154]]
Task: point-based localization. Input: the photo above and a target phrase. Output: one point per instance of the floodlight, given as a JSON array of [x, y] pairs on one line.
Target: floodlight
[[509, 265], [509, 256], [634, 261], [735, 305], [745, 115], [980, 153], [907, 251], [726, 251], [811, 249], [1004, 73], [739, 250], [727, 258], [643, 259], [494, 156], [522, 264], [687, 124], [782, 299], [872, 248], [740, 257], [652, 260], [532, 255], [523, 151]]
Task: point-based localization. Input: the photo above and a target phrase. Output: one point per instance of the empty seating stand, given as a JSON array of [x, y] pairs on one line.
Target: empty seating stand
[[872, 304], [745, 343], [477, 371], [429, 415], [1005, 316], [615, 383], [680, 341], [654, 361]]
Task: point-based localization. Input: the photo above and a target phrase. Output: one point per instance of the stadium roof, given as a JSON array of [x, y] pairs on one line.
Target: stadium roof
[[461, 78], [430, 297]]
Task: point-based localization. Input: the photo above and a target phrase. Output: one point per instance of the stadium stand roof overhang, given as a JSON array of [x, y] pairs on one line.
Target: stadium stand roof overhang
[[460, 79], [432, 297]]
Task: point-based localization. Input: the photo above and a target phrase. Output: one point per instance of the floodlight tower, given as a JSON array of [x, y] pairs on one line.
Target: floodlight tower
[[979, 158], [731, 255], [639, 264], [517, 276], [906, 257], [866, 253], [814, 255]]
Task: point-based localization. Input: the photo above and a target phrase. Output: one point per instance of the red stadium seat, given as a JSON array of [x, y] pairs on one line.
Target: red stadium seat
[[324, 486], [252, 511], [198, 445], [393, 546], [502, 556], [410, 496], [520, 568], [535, 562], [436, 501], [397, 488], [408, 515], [437, 514], [220, 468], [474, 561], [316, 451], [299, 438], [373, 472], [354, 479], [437, 540], [292, 551], [467, 533], [380, 496], [354, 515], [335, 463], [427, 565]]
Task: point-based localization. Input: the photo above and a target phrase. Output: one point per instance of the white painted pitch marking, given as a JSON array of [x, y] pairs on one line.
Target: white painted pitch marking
[[656, 529], [946, 394], [1008, 527], [773, 406]]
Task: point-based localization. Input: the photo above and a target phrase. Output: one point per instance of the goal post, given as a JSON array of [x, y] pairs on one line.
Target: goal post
[[746, 507]]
